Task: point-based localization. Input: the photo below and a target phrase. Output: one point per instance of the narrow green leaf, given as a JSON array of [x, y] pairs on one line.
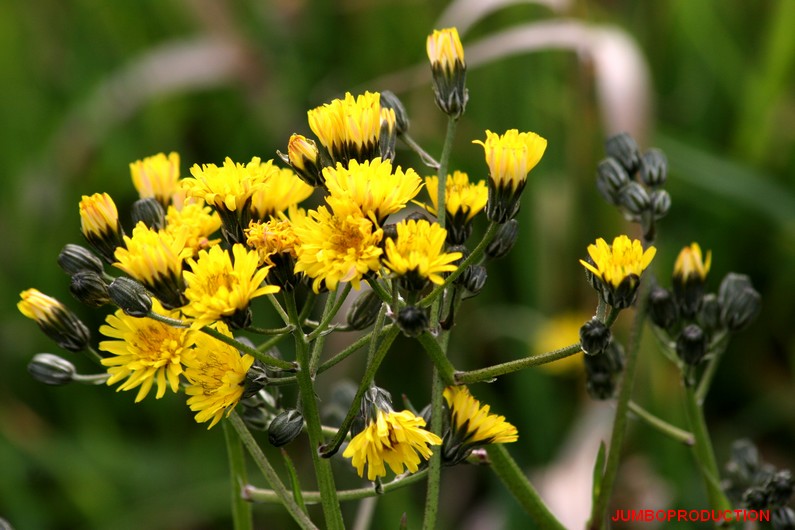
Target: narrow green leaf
[[598, 471], [296, 486]]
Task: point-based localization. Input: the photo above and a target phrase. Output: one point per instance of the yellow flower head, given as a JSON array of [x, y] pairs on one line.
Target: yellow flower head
[[155, 258], [54, 319], [691, 264], [349, 128], [272, 237], [145, 352], [474, 424], [196, 221], [445, 50], [282, 189], [218, 286], [463, 201], [337, 246], [418, 253], [373, 186], [216, 374], [618, 268], [157, 177], [395, 438], [99, 222], [304, 157], [510, 158], [228, 187]]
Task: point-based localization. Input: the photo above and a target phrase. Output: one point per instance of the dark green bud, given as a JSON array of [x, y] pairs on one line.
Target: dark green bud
[[130, 296], [660, 203], [602, 371], [285, 427], [744, 461], [654, 168], [387, 139], [611, 178], [740, 303], [51, 369], [594, 337], [89, 287], [691, 346], [504, 240], [624, 148], [391, 101], [755, 498], [75, 258], [412, 321], [256, 379], [783, 519], [364, 311], [150, 212], [662, 309], [473, 278], [709, 313], [779, 488], [634, 199]]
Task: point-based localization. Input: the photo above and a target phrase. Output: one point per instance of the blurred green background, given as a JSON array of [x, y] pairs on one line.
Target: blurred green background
[[91, 86]]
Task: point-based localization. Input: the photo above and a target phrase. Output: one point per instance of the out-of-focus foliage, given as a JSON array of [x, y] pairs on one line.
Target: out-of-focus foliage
[[91, 86]]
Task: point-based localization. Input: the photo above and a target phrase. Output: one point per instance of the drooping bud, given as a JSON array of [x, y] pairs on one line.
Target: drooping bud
[[285, 427], [602, 371], [51, 369], [55, 320], [412, 321], [594, 337], [130, 296]]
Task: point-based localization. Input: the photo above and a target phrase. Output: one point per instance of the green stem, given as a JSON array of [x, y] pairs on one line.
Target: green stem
[[309, 303], [435, 462], [332, 447], [306, 389], [93, 355], [427, 159], [281, 493], [447, 371], [515, 480], [380, 292], [270, 343], [313, 497], [599, 509], [92, 379], [444, 162], [279, 309], [702, 451], [270, 331], [490, 372], [712, 367], [680, 435], [241, 510]]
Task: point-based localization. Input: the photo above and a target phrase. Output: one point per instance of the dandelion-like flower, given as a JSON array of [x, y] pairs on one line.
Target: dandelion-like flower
[[446, 55], [54, 319], [690, 274], [157, 177], [339, 245], [617, 268], [220, 286], [349, 128], [197, 222], [155, 258], [216, 374], [99, 222], [395, 438], [510, 158], [463, 201], [282, 189], [417, 255], [145, 352], [276, 243], [374, 186]]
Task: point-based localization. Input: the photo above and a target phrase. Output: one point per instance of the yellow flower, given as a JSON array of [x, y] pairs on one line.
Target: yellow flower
[[510, 158], [99, 222], [449, 70], [445, 50], [219, 287], [618, 268], [154, 258], [272, 237], [337, 246], [418, 253], [304, 158], [691, 265], [472, 425], [228, 187], [145, 353], [463, 201], [372, 186], [196, 221], [395, 438], [216, 374], [54, 319], [349, 128], [157, 177], [282, 189]]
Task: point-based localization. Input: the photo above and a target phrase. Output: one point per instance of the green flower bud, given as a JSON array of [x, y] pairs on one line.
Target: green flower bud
[[662, 308], [594, 337], [740, 303], [504, 240], [709, 313], [75, 258], [602, 371], [150, 212], [660, 203], [89, 287], [364, 311], [654, 168], [256, 379], [473, 279], [51, 369], [285, 427], [634, 199], [390, 101], [130, 296], [779, 488], [412, 321], [611, 178], [624, 148], [691, 346]]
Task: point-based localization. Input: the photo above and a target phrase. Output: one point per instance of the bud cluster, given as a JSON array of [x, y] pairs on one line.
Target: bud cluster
[[633, 182]]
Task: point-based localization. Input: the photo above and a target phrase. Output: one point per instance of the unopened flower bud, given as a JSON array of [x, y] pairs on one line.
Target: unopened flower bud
[[691, 346], [130, 296], [634, 199], [611, 177], [285, 427], [256, 379], [783, 519], [504, 240], [602, 371], [449, 71], [740, 303], [89, 287], [364, 311], [54, 319], [662, 309], [690, 273], [304, 157], [412, 321], [624, 148], [150, 212], [709, 313], [594, 337], [390, 101], [75, 258], [51, 369], [474, 278], [99, 221], [387, 138], [755, 498], [779, 488], [744, 461], [654, 168], [660, 203]]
